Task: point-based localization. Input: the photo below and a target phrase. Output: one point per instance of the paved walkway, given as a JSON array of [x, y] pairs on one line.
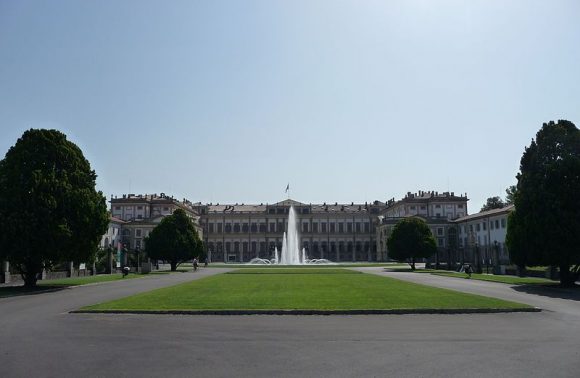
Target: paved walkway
[[18, 309], [563, 301], [40, 338]]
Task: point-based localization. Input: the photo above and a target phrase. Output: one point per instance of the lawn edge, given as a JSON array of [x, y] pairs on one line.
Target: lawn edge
[[547, 283], [315, 312]]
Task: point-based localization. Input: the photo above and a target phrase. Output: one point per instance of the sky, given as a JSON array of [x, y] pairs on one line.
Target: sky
[[346, 101]]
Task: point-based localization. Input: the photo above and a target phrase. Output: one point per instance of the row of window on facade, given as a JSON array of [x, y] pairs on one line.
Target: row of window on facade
[[281, 227], [139, 208], [413, 207], [139, 213], [493, 224], [264, 247], [138, 233]]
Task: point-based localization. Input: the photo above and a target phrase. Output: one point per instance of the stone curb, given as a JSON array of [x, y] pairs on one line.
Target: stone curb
[[314, 312]]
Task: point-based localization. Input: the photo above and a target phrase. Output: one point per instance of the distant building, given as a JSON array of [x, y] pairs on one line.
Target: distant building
[[112, 237], [437, 209], [141, 213], [443, 230], [338, 232], [482, 235]]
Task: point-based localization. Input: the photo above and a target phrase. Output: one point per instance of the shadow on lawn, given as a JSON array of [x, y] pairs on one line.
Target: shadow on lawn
[[407, 270], [551, 290], [16, 291]]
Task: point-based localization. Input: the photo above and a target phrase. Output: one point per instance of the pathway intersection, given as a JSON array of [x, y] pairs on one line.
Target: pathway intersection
[[41, 338]]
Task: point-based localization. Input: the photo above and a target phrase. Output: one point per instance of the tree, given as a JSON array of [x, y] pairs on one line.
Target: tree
[[493, 203], [544, 229], [510, 194], [175, 240], [411, 239], [50, 212]]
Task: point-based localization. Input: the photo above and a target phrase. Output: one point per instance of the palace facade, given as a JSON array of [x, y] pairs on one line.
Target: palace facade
[[338, 232], [439, 210], [134, 216]]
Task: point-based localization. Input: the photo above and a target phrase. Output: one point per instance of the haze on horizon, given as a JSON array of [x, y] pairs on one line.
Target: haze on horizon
[[347, 101]]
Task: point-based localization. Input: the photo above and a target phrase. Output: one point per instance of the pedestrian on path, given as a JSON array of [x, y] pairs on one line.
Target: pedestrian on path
[[468, 270]]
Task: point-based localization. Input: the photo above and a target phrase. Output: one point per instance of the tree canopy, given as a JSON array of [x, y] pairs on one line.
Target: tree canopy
[[510, 194], [544, 229], [50, 211], [175, 239], [493, 203], [411, 239]]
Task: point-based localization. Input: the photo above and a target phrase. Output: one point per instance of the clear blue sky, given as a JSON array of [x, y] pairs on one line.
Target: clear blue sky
[[228, 101]]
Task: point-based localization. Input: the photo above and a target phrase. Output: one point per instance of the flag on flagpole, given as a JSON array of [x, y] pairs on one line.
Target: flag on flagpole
[[287, 187]]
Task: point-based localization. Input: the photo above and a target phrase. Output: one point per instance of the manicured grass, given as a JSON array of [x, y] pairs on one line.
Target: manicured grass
[[76, 281], [301, 289], [513, 280], [321, 266], [304, 270]]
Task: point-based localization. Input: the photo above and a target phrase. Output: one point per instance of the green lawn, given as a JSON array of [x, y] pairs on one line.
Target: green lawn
[[76, 281], [513, 280], [301, 289], [321, 266]]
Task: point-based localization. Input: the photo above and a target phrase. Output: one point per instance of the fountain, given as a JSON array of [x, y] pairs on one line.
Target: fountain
[[291, 253]]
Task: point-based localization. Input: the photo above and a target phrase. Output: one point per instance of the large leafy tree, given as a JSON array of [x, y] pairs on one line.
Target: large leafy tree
[[50, 211], [545, 227], [411, 239], [510, 195], [493, 203], [175, 239]]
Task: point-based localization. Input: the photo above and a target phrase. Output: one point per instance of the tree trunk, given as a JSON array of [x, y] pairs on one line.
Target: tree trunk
[[173, 266], [567, 278], [30, 274], [29, 279], [449, 260]]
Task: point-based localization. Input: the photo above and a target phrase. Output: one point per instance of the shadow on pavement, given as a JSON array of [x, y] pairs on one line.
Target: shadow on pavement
[[552, 291], [16, 291]]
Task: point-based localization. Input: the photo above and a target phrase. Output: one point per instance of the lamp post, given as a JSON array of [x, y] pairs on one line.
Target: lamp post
[[487, 259], [138, 251], [110, 256], [478, 267], [496, 265]]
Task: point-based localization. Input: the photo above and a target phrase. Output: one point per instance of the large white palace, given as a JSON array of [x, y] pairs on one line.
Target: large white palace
[[340, 232], [238, 232]]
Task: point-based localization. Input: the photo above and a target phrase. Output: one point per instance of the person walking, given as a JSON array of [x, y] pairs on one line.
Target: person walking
[[195, 262], [468, 270]]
